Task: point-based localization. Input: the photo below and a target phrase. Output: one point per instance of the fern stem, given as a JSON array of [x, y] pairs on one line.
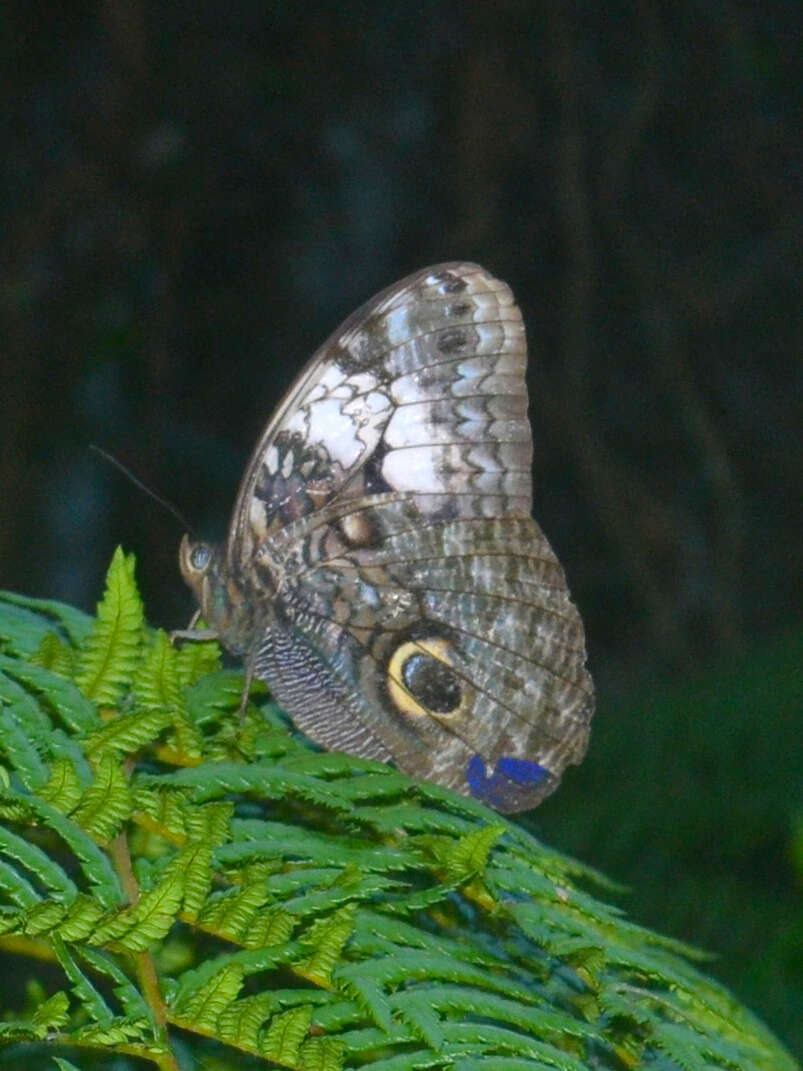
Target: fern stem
[[143, 962]]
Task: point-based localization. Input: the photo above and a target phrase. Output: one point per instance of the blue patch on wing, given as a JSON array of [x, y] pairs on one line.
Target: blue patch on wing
[[514, 785]]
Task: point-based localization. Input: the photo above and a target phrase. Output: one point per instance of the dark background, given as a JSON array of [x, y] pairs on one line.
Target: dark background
[[193, 195]]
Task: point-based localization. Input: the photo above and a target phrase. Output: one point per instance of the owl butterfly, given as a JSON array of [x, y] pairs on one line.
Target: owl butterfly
[[382, 573]]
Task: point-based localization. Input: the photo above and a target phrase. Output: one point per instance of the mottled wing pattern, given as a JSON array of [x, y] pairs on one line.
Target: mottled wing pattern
[[420, 391], [498, 701], [413, 610]]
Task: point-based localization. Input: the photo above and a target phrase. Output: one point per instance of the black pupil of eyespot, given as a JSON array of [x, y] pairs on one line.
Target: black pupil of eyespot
[[432, 682], [199, 557]]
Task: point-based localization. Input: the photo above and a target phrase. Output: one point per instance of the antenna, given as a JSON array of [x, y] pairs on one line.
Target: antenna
[[143, 487]]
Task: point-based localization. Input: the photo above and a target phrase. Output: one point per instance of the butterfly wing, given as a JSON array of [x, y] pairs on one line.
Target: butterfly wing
[[417, 612], [450, 645], [420, 391]]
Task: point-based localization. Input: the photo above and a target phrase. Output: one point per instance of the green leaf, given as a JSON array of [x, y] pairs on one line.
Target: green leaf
[[132, 1001], [94, 863], [265, 780], [58, 697], [52, 1014], [327, 937], [25, 621], [89, 996], [469, 855], [185, 880], [205, 1005], [107, 803], [108, 657], [17, 889], [127, 733], [321, 1054], [64, 1065], [55, 655], [22, 728], [157, 688], [285, 1034], [240, 1022], [38, 864], [196, 660], [156, 684], [63, 788]]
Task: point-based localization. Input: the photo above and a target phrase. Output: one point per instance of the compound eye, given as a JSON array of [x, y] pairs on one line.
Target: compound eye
[[200, 557]]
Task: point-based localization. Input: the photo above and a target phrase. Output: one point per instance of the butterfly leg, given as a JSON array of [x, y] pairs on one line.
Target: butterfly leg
[[192, 633], [249, 680]]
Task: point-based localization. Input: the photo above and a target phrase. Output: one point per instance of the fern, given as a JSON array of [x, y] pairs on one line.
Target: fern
[[108, 657], [205, 885]]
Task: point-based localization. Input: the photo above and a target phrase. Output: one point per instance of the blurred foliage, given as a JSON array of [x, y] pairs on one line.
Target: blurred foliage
[[691, 794]]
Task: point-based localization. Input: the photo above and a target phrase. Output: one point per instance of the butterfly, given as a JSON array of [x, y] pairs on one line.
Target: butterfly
[[382, 573]]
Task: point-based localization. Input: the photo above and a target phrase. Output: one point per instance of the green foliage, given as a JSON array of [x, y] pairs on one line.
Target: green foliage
[[108, 657], [706, 827], [180, 886]]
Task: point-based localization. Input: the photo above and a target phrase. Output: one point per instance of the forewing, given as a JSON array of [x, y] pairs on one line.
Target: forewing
[[420, 391]]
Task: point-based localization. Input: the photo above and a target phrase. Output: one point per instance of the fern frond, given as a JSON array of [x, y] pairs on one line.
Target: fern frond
[[107, 803], [88, 858], [203, 1007], [50, 1016], [127, 733], [54, 654], [195, 661], [109, 655], [181, 869], [61, 698], [90, 998], [41, 868], [64, 1065], [25, 621], [321, 1054], [157, 687], [20, 732], [284, 1036], [63, 789], [16, 891], [326, 937]]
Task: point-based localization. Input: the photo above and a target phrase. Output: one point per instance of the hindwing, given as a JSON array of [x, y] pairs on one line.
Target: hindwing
[[455, 641]]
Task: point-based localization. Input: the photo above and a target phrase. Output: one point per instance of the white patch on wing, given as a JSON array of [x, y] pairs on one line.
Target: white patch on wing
[[397, 326], [364, 409], [416, 469], [347, 427], [411, 426], [363, 382], [326, 423], [332, 377]]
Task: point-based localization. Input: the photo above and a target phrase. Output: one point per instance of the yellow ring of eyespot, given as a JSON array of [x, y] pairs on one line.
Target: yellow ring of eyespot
[[401, 696]]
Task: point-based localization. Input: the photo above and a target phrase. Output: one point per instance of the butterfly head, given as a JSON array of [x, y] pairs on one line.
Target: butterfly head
[[220, 599]]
